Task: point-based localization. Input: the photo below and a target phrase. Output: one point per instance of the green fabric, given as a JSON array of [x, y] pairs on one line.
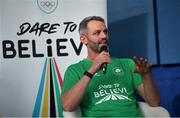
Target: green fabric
[[111, 94]]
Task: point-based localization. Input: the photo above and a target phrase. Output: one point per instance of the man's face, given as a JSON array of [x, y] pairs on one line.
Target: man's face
[[97, 35]]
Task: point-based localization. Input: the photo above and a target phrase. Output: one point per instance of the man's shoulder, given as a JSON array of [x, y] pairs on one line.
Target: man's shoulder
[[76, 65], [123, 60]]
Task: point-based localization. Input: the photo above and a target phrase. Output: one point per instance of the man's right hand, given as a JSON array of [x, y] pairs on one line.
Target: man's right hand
[[103, 57]]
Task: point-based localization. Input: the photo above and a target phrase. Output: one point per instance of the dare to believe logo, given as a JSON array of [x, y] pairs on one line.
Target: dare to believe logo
[[48, 103], [111, 93], [47, 6], [27, 47]]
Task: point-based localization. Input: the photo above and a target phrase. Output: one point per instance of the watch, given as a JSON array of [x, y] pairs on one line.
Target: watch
[[88, 74]]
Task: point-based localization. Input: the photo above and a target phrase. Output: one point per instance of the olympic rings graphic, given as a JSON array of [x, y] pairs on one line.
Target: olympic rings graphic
[[47, 4]]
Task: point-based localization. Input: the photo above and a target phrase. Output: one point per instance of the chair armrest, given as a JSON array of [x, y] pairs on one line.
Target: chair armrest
[[154, 112], [74, 114], [146, 110]]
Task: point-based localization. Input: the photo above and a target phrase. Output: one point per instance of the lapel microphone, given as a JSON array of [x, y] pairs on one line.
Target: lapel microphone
[[104, 65]]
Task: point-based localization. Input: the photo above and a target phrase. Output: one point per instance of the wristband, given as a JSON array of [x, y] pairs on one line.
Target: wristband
[[88, 74]]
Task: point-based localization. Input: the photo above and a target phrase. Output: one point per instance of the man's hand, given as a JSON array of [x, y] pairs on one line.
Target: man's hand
[[103, 57], [148, 89], [142, 66]]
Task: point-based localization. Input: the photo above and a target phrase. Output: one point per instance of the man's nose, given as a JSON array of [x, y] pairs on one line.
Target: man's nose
[[103, 36]]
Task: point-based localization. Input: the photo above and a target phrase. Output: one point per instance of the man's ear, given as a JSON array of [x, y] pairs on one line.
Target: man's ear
[[83, 39]]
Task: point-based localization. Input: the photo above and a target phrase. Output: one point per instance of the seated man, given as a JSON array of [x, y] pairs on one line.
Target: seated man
[[106, 86]]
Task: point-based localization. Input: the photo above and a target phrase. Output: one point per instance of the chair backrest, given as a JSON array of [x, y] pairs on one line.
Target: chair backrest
[[147, 111]]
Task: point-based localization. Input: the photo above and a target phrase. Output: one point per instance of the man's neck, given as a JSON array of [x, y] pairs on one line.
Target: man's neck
[[92, 55]]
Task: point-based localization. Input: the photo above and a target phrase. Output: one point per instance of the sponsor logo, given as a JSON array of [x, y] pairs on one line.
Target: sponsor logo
[[47, 6]]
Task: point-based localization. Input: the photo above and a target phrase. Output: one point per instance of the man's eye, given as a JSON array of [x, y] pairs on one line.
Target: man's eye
[[106, 31], [96, 33]]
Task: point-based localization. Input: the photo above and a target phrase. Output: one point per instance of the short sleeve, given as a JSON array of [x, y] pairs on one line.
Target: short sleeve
[[70, 79]]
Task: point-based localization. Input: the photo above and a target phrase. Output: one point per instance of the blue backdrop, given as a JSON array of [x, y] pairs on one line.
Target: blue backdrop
[[150, 28]]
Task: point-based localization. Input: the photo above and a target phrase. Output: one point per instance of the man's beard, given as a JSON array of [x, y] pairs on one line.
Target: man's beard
[[96, 47]]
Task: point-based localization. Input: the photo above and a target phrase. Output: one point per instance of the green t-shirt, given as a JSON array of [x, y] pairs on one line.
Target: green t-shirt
[[111, 94]]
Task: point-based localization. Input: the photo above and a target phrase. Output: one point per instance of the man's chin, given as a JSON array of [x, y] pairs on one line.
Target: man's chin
[[104, 44], [101, 45]]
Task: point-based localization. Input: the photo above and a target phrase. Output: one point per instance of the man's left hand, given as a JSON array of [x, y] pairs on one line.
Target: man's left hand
[[142, 66]]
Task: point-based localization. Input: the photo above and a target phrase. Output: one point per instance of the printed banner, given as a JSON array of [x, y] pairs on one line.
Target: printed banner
[[38, 40]]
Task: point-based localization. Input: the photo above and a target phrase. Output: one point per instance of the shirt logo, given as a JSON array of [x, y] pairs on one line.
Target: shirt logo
[[96, 74], [111, 92], [118, 71], [113, 96]]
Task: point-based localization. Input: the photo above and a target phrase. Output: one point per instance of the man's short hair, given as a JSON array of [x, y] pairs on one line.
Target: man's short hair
[[85, 21]]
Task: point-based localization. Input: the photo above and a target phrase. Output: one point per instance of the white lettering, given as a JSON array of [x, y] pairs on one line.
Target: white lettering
[[96, 94]]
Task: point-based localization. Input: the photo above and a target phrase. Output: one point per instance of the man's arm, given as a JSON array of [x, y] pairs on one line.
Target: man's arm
[[148, 89], [71, 99], [73, 96]]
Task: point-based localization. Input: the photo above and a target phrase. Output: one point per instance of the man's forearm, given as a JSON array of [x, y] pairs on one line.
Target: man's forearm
[[71, 99], [151, 92]]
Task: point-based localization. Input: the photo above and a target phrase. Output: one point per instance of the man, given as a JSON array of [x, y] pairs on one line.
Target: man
[[110, 92]]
